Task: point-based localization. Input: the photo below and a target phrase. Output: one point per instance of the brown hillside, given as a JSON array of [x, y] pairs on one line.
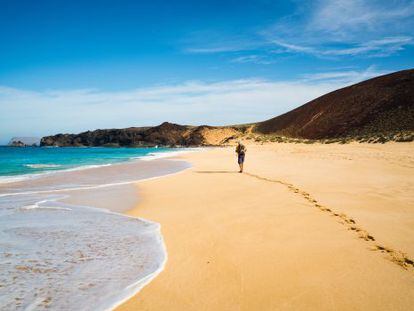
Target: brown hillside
[[165, 134], [382, 105], [375, 110]]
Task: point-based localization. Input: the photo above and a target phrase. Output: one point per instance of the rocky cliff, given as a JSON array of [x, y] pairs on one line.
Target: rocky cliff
[[166, 134]]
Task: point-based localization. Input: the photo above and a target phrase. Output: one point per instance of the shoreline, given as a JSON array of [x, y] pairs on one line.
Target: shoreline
[[224, 254], [93, 187], [5, 179], [79, 201]]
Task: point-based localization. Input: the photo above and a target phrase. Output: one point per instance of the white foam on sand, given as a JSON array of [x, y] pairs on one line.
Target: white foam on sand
[[57, 254], [169, 154], [66, 257]]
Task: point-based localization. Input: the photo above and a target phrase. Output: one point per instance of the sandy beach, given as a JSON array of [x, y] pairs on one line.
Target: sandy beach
[[121, 127], [306, 227]]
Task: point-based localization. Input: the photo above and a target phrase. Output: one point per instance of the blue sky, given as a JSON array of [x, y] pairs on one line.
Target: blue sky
[[69, 66]]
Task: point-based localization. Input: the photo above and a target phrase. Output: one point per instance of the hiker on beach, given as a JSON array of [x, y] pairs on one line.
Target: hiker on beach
[[241, 152]]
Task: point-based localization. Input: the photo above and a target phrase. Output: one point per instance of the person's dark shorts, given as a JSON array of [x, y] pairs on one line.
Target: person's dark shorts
[[241, 158]]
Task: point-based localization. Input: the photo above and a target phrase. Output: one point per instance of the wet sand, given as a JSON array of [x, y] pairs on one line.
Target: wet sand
[[56, 238], [306, 227]]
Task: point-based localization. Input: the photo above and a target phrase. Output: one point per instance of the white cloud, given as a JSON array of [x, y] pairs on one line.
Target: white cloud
[[256, 59], [295, 47], [345, 77], [382, 47], [210, 42], [217, 49], [326, 28], [340, 28], [29, 113], [375, 48], [349, 17]]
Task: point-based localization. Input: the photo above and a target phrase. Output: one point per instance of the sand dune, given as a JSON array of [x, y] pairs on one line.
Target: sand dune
[[307, 227]]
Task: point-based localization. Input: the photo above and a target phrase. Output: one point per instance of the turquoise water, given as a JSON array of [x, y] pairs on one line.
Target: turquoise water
[[31, 160]]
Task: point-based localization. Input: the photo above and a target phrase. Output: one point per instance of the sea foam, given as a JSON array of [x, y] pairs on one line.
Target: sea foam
[[60, 251], [66, 257], [42, 165]]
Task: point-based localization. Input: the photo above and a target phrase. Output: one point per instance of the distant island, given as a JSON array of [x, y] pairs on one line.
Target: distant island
[[24, 142], [375, 111]]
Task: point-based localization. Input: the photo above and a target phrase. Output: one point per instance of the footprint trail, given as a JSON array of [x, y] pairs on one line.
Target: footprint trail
[[397, 257]]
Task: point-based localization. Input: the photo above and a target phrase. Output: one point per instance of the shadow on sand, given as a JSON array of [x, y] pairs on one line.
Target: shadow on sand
[[216, 172]]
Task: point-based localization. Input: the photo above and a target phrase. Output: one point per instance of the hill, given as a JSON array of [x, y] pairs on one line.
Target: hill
[[376, 110], [380, 106], [165, 134]]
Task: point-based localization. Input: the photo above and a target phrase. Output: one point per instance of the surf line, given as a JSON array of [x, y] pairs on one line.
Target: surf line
[[395, 256], [88, 187]]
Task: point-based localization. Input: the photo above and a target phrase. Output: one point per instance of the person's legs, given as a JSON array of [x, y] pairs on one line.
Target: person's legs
[[241, 161]]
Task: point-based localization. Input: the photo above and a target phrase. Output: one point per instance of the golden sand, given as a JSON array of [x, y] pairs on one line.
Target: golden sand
[[306, 227]]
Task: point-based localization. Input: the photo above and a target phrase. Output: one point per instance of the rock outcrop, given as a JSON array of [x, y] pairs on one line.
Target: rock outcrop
[[24, 142], [166, 134]]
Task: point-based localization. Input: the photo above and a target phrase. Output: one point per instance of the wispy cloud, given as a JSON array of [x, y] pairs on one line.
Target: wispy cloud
[[211, 42], [295, 47], [217, 49], [30, 113], [347, 18], [375, 48], [347, 28], [328, 29], [256, 59], [379, 48], [344, 76]]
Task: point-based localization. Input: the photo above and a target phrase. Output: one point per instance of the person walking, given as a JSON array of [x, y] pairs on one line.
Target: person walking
[[241, 153]]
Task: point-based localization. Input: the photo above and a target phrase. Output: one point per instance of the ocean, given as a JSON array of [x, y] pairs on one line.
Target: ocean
[[64, 244], [15, 162]]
